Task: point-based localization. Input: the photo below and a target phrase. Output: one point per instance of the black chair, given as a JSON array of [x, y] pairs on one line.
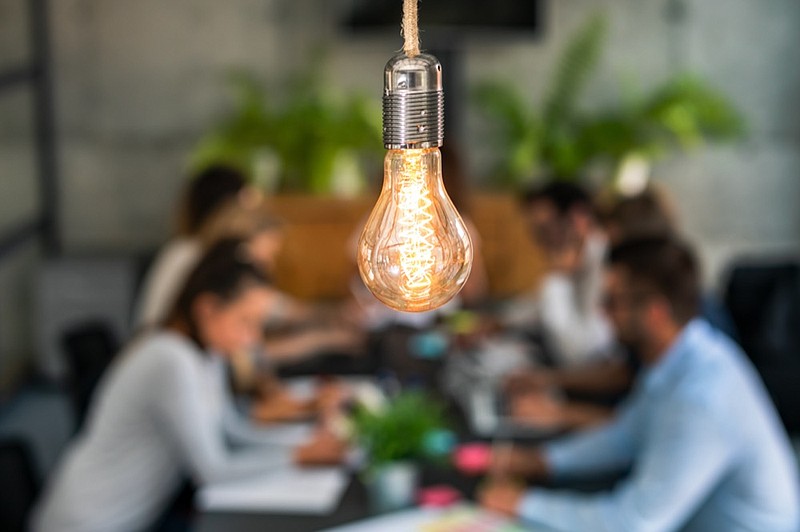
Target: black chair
[[19, 485], [764, 302], [89, 348]]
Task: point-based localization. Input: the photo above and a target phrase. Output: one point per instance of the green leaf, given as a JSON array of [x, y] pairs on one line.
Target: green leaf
[[303, 123], [399, 431], [574, 70], [688, 111], [560, 141]]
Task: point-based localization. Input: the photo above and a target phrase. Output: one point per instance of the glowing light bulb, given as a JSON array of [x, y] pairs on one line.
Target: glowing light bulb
[[415, 253]]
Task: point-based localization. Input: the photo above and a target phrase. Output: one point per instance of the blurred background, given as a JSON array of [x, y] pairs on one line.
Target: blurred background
[[107, 106]]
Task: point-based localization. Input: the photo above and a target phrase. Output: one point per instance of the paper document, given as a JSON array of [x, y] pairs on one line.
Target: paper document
[[290, 490], [462, 517], [287, 434]]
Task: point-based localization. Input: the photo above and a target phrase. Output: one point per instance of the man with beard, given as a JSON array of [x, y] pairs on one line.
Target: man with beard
[[703, 445]]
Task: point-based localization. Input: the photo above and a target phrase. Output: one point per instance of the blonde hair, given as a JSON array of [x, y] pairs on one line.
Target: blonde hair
[[237, 220]]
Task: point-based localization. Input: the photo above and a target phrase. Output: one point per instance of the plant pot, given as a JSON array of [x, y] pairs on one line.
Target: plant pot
[[393, 486]]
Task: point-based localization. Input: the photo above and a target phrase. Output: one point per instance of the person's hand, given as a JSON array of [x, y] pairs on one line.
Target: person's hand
[[348, 340], [281, 406], [268, 385], [331, 397], [540, 409], [530, 380], [323, 449], [502, 495], [516, 461]]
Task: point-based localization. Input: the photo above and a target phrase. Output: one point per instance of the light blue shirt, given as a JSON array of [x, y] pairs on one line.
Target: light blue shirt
[[705, 446]]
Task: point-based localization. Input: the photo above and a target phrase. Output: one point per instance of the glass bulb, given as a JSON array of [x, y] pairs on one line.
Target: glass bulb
[[415, 253]]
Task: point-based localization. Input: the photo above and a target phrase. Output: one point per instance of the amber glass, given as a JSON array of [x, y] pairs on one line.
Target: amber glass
[[415, 253]]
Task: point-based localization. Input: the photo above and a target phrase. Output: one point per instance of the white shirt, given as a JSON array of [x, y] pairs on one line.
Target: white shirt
[[570, 308], [165, 279], [158, 417]]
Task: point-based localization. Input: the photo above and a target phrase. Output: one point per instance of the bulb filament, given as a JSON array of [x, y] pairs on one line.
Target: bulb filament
[[415, 224]]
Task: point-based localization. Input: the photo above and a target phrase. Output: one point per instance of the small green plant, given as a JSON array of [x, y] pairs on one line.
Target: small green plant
[[561, 141], [411, 426]]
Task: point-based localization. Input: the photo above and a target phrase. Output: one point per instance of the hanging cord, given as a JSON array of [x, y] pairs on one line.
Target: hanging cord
[[410, 28]]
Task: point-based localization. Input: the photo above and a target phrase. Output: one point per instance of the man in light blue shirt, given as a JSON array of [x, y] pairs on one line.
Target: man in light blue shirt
[[703, 442]]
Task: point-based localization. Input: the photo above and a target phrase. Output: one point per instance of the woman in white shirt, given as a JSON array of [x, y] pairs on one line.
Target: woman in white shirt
[[160, 413], [204, 197]]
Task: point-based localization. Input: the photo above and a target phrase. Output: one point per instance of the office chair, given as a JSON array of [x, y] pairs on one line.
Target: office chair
[[19, 485], [89, 348], [764, 301]]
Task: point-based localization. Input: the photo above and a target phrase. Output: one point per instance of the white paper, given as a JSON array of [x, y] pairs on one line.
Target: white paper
[[305, 388], [458, 517], [290, 490], [286, 434], [403, 521]]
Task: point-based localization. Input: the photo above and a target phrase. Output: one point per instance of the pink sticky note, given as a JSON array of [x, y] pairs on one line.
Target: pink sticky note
[[473, 458], [438, 496]]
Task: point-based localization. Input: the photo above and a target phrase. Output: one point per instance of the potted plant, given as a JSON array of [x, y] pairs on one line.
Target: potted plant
[[395, 435], [562, 141]]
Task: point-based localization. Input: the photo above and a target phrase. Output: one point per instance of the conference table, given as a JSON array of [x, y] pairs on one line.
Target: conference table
[[354, 504]]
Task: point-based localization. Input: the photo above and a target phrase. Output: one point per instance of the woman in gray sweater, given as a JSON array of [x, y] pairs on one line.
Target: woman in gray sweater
[[159, 414]]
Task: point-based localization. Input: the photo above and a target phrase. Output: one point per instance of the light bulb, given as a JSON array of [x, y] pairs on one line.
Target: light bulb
[[415, 253]]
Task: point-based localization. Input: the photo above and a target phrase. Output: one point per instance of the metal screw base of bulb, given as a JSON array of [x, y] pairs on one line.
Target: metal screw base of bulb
[[413, 103], [413, 120]]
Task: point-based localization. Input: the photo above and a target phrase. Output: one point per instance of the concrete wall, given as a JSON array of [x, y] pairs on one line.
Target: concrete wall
[[138, 82]]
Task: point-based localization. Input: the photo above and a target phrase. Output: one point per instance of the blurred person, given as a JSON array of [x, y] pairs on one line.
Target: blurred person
[[217, 205], [699, 435], [163, 411], [202, 198], [293, 330], [307, 333], [561, 220], [647, 214], [532, 392], [650, 213]]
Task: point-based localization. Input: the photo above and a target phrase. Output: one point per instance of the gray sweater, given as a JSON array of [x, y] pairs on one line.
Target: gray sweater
[[160, 414]]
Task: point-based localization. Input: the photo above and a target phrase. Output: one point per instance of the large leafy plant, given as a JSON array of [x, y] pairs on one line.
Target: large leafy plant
[[560, 140], [303, 133]]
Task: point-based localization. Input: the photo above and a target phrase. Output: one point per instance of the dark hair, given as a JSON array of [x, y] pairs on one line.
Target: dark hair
[[206, 192], [563, 195], [225, 271], [639, 216], [666, 266]]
